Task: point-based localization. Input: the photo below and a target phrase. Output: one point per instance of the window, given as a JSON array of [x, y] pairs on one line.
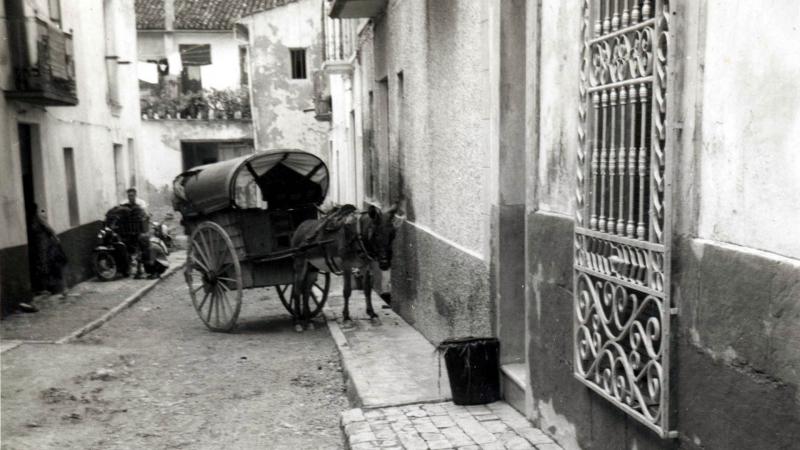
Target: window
[[195, 54], [298, 60], [191, 79], [110, 32], [72, 188], [55, 11], [243, 78], [622, 303], [193, 57], [132, 162]]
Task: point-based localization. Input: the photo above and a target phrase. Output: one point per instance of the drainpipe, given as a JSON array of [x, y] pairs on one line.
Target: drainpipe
[[169, 15], [169, 27]]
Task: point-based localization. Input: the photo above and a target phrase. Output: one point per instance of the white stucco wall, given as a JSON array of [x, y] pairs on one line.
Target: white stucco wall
[[90, 128], [222, 73], [283, 114], [737, 171], [749, 175], [439, 134]]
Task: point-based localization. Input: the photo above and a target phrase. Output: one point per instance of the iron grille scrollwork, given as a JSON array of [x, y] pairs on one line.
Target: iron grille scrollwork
[[622, 304]]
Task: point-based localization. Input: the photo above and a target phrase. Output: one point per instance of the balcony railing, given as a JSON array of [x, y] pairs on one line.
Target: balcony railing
[[211, 104], [340, 38], [44, 71], [352, 9]]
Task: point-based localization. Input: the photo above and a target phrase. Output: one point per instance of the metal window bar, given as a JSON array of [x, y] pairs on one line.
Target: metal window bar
[[622, 303]]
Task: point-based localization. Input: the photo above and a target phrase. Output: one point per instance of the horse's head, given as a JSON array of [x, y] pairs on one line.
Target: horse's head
[[380, 232]]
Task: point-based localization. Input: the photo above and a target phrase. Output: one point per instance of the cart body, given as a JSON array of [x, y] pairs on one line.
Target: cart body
[[246, 210]]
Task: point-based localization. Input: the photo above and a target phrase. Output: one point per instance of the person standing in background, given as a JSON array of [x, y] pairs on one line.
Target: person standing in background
[[138, 208], [47, 258]]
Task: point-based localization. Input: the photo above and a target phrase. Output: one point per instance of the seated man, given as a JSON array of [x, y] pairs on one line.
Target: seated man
[[133, 200]]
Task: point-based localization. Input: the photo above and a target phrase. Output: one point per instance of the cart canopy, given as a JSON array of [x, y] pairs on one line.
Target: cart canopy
[[271, 179]]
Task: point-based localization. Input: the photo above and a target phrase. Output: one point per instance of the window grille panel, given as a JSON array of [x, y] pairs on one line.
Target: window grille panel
[[622, 305]]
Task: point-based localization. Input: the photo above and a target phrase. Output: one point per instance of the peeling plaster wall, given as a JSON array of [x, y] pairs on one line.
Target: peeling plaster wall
[[283, 113], [736, 371], [162, 141]]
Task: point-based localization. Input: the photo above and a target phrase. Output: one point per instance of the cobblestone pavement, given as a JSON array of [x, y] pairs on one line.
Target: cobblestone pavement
[[442, 426]]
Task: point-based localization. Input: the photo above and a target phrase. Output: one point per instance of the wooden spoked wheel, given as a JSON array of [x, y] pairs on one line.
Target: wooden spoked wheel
[[317, 299], [214, 277]]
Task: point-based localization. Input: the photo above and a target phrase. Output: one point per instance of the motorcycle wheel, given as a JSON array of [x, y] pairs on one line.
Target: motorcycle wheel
[[105, 266]]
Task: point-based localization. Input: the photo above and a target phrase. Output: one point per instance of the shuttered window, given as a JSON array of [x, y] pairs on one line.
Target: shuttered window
[[195, 54], [298, 61]]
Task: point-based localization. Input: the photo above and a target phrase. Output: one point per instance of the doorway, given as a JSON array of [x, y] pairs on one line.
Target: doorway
[[26, 134], [197, 153]]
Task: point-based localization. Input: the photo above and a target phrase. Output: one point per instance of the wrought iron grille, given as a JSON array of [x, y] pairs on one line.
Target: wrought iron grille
[[622, 304]]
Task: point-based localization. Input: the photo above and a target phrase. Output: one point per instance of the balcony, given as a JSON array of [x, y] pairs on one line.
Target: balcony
[[44, 67], [163, 102], [340, 37], [356, 9]]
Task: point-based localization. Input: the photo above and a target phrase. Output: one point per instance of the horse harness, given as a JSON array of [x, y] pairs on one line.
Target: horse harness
[[335, 222]]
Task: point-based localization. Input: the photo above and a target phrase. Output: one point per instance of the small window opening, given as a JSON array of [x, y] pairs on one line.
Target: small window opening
[[298, 60], [55, 12]]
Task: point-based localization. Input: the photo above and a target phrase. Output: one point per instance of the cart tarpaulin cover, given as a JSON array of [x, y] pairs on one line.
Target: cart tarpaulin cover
[[214, 187]]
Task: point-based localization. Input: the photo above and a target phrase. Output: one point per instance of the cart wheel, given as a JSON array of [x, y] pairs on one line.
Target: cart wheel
[[319, 294], [214, 277]]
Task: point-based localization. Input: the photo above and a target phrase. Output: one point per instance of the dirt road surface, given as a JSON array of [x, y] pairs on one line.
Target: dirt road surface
[[155, 377]]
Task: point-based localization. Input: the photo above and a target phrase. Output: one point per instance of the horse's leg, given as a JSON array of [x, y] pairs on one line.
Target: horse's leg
[[346, 322], [368, 297], [308, 281], [297, 292]]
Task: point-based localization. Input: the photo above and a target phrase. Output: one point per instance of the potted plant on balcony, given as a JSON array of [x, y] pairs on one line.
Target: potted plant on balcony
[[146, 107], [213, 100]]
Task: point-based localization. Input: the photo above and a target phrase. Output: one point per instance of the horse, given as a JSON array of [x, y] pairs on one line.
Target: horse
[[345, 240]]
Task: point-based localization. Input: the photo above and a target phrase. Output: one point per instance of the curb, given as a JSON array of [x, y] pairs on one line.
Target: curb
[[343, 347], [127, 303]]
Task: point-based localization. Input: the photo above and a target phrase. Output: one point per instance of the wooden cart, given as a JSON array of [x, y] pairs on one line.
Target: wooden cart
[[240, 215]]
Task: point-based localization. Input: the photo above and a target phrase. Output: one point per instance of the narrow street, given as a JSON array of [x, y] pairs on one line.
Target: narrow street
[[155, 377]]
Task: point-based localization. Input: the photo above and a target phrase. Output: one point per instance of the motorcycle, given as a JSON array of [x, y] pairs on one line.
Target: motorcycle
[[120, 245], [162, 231], [110, 256]]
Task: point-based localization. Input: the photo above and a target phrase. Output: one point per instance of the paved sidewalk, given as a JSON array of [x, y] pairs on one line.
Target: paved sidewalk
[[387, 364], [88, 305], [394, 374], [442, 426]]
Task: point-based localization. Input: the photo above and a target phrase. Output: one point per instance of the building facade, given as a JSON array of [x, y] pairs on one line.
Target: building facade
[[607, 187], [69, 117], [285, 44], [339, 101], [194, 85]]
